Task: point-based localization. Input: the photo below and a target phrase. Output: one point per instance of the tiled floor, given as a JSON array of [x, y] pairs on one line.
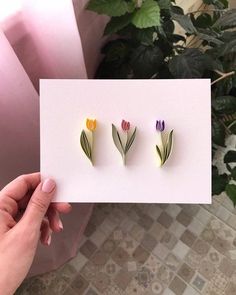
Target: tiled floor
[[150, 249]]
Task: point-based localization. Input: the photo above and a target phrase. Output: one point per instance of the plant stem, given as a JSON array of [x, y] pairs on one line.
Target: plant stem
[[207, 10], [232, 124], [124, 159], [222, 123], [223, 76]]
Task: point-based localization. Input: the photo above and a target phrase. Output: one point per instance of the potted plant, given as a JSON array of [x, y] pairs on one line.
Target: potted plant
[[145, 45]]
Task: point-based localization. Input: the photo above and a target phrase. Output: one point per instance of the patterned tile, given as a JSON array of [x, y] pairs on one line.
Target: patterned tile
[[123, 278], [231, 289], [165, 274], [207, 269], [201, 247], [177, 229], [146, 249], [188, 238], [199, 282], [177, 286], [227, 267], [148, 242], [140, 254], [186, 272], [120, 256], [145, 221], [172, 261], [79, 284], [165, 219], [161, 251], [184, 218], [169, 240], [180, 250], [88, 248]]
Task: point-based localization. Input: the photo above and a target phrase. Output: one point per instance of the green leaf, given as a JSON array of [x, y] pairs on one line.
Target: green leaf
[[145, 36], [230, 157], [148, 15], [224, 104], [231, 192], [164, 4], [227, 20], [146, 60], [130, 141], [177, 10], [117, 140], [219, 182], [185, 22], [86, 145], [221, 4], [204, 20], [210, 39], [159, 154], [168, 145], [227, 48], [108, 7], [233, 173], [190, 64], [116, 24], [218, 133]]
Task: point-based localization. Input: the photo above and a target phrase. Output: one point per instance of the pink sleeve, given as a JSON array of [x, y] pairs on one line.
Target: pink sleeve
[[42, 40]]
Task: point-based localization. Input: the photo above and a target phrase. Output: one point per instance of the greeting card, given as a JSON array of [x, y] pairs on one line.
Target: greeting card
[[143, 141]]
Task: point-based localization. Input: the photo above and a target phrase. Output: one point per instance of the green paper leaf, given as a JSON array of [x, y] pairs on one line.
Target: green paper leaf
[[117, 140], [86, 145], [159, 154], [116, 24], [168, 145], [148, 15], [130, 141], [109, 7], [231, 192]]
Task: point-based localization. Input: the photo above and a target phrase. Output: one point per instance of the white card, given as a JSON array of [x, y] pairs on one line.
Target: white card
[[185, 105]]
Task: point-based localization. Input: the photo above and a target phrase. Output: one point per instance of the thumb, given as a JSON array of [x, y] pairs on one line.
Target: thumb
[[39, 203]]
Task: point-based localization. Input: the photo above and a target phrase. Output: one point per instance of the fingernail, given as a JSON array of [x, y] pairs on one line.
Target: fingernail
[[49, 239], [48, 185], [60, 224]]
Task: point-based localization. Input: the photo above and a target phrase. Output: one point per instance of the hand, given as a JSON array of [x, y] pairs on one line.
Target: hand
[[26, 216]]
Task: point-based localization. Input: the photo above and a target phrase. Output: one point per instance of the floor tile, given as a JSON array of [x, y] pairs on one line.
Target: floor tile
[[177, 286], [146, 249]]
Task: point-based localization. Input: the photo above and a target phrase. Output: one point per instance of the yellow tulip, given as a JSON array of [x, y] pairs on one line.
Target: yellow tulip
[[91, 124]]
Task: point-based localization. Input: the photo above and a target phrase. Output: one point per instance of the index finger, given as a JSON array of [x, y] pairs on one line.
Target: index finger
[[19, 187]]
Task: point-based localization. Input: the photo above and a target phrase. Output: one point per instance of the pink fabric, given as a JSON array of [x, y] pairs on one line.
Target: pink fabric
[[91, 27], [41, 41]]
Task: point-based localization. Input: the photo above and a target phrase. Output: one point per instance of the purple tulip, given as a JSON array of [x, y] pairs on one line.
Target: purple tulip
[[160, 125]]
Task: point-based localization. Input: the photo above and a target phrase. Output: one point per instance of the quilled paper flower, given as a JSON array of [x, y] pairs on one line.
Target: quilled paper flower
[[164, 146], [125, 125], [86, 139], [91, 124], [160, 125], [124, 141]]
